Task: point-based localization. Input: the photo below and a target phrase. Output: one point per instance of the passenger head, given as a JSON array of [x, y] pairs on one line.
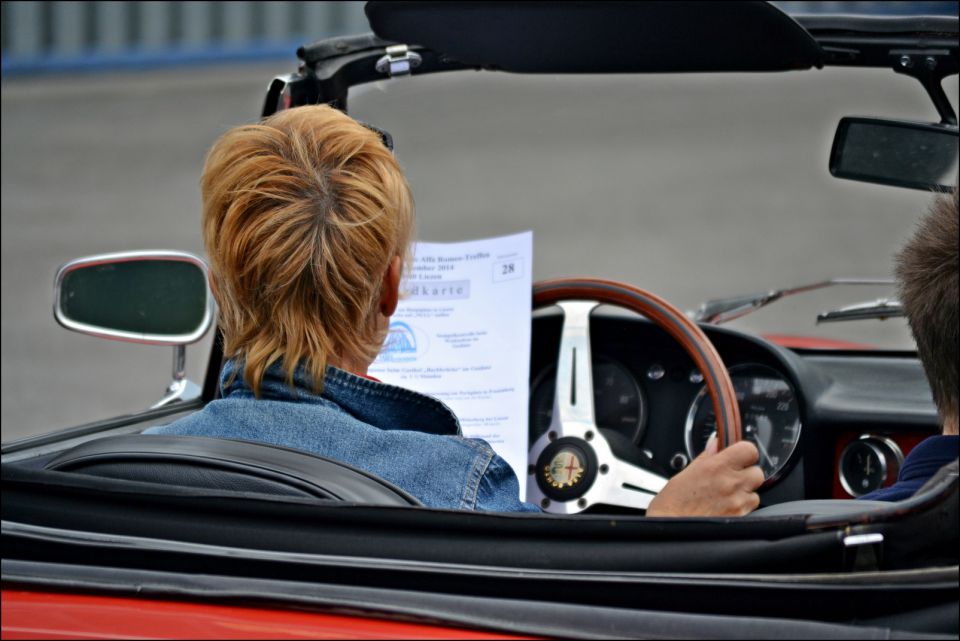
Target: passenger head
[[307, 221], [927, 269]]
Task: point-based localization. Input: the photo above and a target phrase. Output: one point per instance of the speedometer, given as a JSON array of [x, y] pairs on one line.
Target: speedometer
[[769, 415]]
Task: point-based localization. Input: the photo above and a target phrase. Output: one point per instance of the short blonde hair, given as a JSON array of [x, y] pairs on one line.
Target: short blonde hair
[[302, 214]]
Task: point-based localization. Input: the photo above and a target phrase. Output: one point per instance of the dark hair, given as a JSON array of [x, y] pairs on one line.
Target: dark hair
[[927, 269]]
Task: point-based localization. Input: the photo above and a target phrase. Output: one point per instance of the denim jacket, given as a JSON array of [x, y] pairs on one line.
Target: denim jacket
[[409, 439]]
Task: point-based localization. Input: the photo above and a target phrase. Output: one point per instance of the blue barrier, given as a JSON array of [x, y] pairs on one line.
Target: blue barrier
[[45, 37], [136, 59]]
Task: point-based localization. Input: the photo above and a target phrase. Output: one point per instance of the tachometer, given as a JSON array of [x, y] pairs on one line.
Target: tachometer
[[618, 402], [768, 412]]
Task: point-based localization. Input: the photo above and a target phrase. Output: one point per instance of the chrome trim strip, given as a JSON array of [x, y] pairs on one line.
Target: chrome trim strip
[[855, 540]]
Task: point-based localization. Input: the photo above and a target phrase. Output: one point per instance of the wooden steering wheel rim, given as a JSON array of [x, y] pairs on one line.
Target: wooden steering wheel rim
[[690, 337]]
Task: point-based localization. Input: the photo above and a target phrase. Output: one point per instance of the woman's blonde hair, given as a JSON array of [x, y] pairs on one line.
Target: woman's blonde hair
[[302, 214]]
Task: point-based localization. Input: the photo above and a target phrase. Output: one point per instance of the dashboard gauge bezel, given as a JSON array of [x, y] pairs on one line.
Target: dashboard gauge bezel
[[735, 370], [638, 432], [877, 444]]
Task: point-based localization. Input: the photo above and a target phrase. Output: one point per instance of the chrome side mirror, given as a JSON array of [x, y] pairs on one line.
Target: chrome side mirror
[[152, 297]]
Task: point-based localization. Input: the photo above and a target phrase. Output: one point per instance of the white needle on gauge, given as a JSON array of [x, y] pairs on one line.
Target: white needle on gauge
[[756, 441]]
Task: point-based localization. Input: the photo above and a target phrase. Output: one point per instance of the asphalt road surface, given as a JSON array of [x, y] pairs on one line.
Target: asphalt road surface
[[690, 186]]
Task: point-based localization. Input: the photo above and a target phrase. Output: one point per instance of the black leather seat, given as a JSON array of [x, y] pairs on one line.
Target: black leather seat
[[222, 464]]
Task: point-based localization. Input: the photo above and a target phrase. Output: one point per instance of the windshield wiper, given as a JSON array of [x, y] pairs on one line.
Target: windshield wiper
[[882, 308], [722, 310]]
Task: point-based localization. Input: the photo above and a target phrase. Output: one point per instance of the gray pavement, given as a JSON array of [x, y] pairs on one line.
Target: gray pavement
[[690, 186]]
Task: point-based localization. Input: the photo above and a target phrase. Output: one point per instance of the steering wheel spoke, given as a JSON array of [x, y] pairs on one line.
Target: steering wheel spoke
[[621, 483], [631, 478], [623, 496], [573, 398]]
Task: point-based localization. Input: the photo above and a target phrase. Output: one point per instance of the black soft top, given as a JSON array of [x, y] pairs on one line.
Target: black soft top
[[614, 37]]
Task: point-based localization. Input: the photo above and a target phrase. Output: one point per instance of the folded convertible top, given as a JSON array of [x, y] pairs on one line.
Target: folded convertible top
[[602, 37]]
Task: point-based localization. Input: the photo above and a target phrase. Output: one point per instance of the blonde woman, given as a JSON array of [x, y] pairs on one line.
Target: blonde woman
[[307, 223]]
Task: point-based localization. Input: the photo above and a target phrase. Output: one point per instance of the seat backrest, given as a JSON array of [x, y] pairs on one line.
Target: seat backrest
[[241, 466], [839, 508], [948, 471]]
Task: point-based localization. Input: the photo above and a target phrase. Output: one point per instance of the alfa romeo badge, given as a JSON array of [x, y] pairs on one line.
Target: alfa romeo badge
[[564, 470]]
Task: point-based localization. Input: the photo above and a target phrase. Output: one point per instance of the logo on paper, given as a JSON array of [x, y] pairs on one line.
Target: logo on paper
[[401, 344]]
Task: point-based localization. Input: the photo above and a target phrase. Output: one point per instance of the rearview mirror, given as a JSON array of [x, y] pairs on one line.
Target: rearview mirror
[[895, 152], [153, 297]]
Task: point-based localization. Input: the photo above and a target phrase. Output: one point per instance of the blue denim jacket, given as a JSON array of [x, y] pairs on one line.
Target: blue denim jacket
[[409, 439]]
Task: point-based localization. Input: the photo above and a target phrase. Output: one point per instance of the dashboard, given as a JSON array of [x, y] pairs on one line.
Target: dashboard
[[827, 424]]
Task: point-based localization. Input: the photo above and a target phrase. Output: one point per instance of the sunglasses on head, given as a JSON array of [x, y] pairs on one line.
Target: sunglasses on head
[[385, 136]]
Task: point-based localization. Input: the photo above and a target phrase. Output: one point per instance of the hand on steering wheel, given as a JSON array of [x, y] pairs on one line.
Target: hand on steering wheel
[[572, 465]]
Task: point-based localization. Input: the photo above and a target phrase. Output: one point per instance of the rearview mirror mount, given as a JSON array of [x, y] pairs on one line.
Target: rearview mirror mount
[[901, 153]]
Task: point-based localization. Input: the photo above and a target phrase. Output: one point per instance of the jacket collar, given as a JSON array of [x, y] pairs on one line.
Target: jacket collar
[[385, 406]]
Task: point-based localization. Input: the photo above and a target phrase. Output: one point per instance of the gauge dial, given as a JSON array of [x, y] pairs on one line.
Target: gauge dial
[[769, 415], [868, 464], [618, 402]]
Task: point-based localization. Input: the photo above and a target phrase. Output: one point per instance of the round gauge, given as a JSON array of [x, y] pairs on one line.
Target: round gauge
[[769, 415], [618, 402], [868, 464]]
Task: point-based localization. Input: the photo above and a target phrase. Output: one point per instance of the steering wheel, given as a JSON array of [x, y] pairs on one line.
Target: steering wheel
[[572, 464]]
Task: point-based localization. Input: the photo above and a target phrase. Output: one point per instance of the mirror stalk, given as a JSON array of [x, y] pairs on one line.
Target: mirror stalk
[[181, 388], [930, 67]]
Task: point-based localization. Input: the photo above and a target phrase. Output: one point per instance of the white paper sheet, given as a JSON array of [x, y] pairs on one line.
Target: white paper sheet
[[462, 335]]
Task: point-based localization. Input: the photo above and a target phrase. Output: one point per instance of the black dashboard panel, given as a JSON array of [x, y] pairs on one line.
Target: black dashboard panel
[[882, 390], [836, 392]]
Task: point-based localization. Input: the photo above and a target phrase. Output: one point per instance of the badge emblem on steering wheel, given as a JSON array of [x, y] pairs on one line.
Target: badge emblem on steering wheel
[[565, 469]]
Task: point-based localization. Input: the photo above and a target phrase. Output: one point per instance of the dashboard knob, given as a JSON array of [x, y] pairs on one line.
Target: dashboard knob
[[679, 461]]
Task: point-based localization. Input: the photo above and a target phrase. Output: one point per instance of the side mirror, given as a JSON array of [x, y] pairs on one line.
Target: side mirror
[[151, 297], [896, 152]]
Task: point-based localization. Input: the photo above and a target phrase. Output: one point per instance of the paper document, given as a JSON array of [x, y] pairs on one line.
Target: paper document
[[462, 334]]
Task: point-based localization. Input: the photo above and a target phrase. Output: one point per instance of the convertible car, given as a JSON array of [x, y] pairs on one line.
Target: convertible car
[[111, 533]]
